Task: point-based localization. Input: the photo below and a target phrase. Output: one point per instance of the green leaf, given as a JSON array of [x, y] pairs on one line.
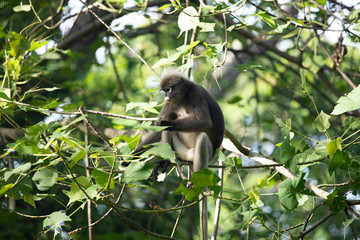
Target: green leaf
[[22, 168], [234, 100], [18, 44], [287, 195], [109, 158], [333, 146], [207, 27], [51, 56], [144, 106], [350, 102], [303, 78], [249, 66], [200, 179], [22, 8], [5, 188], [351, 123], [267, 19], [28, 198], [188, 19], [322, 122], [21, 189], [101, 178], [204, 178], [162, 150], [282, 27], [163, 7], [254, 195], [322, 2], [75, 193], [36, 45], [337, 160], [191, 194], [250, 216], [36, 131], [287, 153], [137, 171], [77, 156], [55, 220], [336, 201], [45, 178]]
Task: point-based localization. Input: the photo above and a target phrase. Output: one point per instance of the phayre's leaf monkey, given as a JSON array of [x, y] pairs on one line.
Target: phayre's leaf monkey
[[195, 126]]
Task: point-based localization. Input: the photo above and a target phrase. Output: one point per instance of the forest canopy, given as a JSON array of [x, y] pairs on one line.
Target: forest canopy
[[80, 86]]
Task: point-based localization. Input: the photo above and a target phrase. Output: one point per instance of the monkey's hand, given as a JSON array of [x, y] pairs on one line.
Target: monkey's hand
[[164, 123], [161, 164]]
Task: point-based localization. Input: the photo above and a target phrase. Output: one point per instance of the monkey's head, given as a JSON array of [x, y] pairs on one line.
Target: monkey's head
[[174, 87]]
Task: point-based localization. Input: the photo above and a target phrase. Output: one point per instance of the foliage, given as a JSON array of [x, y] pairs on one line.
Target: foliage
[[287, 82]]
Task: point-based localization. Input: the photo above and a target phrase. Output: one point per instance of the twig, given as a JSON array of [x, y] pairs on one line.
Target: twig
[[347, 215], [313, 227], [120, 39], [106, 141], [311, 214], [178, 218], [89, 212], [218, 203], [116, 72], [94, 129], [354, 212], [265, 161], [128, 220], [103, 216], [341, 72]]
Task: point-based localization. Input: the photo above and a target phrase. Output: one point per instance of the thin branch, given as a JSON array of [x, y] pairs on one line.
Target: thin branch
[[120, 83], [120, 39], [313, 227], [103, 216], [89, 212], [341, 72], [178, 218], [347, 215], [218, 203], [311, 214], [128, 220], [82, 112], [238, 148]]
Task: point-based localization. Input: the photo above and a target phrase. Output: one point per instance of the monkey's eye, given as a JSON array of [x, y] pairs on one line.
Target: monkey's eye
[[168, 89]]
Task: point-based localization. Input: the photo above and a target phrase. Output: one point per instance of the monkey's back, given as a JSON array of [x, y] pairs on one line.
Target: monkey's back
[[216, 133]]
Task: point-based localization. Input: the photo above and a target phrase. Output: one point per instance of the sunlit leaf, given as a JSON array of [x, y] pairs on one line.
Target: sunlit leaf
[[333, 146], [45, 178], [267, 19], [322, 122], [55, 220], [188, 19], [137, 171], [162, 150], [22, 8], [249, 66], [347, 103]]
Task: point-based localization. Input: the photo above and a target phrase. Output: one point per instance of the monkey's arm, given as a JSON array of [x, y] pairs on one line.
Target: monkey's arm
[[149, 138], [192, 119]]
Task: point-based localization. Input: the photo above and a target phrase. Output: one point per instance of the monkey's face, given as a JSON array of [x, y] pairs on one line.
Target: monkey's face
[[173, 93]]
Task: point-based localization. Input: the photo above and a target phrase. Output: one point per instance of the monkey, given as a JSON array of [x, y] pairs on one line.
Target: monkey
[[194, 120], [195, 126]]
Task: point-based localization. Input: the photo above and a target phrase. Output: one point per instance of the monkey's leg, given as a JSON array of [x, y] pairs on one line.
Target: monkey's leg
[[203, 155]]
